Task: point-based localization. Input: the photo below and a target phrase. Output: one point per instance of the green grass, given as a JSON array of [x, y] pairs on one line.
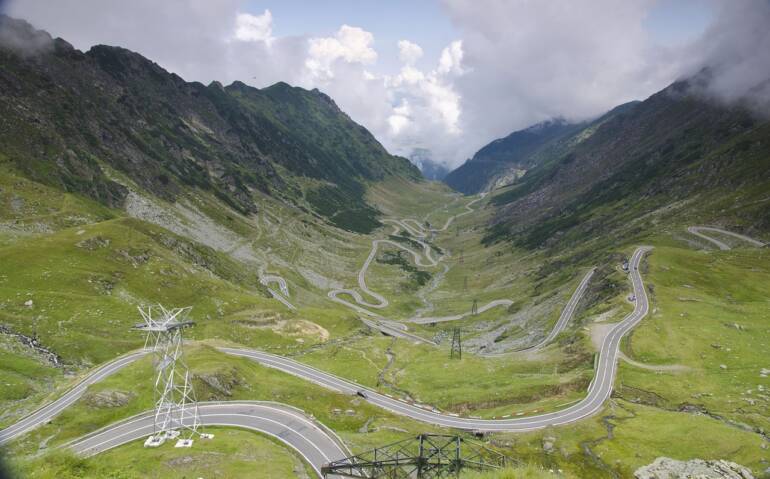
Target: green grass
[[709, 310], [232, 453], [529, 471], [245, 380], [82, 294], [85, 298], [491, 387], [639, 434]]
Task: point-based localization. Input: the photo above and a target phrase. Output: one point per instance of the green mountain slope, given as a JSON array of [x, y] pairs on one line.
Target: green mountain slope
[[676, 156], [513, 154], [505, 160], [65, 113], [122, 185]]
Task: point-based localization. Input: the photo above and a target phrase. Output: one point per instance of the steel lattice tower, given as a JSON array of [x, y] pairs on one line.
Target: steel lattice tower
[[457, 346], [427, 456], [176, 409]]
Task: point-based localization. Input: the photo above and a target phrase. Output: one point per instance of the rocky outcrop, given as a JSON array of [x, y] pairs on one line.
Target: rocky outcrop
[[108, 399], [32, 342], [219, 384], [666, 468]]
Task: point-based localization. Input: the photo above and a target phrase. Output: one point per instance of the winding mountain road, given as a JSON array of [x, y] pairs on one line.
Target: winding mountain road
[[424, 259], [314, 442], [398, 329], [566, 313], [52, 409], [283, 296], [698, 231], [598, 391]]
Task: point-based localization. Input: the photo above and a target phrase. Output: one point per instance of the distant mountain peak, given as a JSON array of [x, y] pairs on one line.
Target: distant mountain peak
[[544, 125], [431, 169], [508, 157]]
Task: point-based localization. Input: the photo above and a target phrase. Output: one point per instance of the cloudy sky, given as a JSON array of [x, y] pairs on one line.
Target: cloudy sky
[[446, 75]]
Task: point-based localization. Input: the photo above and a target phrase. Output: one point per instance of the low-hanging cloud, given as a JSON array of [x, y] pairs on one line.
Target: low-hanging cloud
[[735, 49], [529, 61]]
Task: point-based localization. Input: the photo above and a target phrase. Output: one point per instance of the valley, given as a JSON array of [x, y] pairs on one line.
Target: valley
[[583, 297], [394, 365]]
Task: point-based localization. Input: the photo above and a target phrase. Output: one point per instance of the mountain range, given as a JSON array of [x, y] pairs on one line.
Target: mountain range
[[506, 159], [288, 229], [68, 114], [679, 153]]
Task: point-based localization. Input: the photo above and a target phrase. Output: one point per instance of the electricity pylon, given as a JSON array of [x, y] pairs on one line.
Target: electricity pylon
[[176, 409], [475, 307], [427, 456], [457, 347]]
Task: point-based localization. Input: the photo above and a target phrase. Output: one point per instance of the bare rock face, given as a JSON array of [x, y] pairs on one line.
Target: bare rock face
[[666, 468], [108, 399], [220, 383]]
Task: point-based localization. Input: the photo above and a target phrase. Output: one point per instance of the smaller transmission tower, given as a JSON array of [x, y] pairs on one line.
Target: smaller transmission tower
[[465, 283], [457, 346], [176, 410], [475, 307], [427, 456], [462, 258]]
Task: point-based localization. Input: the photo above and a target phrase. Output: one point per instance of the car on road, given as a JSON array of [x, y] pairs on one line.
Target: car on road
[[362, 393]]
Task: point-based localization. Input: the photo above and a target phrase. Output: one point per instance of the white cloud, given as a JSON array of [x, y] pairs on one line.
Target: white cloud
[[400, 119], [408, 75], [444, 101], [254, 28], [451, 58], [527, 61], [409, 52], [514, 63], [351, 44], [737, 50]]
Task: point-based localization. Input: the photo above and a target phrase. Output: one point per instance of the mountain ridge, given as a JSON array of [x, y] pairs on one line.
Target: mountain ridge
[[671, 149], [115, 106], [512, 152]]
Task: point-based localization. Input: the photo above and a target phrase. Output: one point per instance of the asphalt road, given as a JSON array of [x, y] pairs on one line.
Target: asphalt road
[[698, 231], [312, 441], [424, 259], [598, 391], [315, 443], [47, 412], [397, 330], [566, 313], [440, 319], [283, 295]]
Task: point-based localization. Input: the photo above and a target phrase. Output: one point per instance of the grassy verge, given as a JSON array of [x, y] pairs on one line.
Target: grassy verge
[[232, 453]]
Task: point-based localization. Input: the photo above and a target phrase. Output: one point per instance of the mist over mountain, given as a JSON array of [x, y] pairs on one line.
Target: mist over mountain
[[678, 149], [506, 159], [585, 297], [431, 169], [68, 114]]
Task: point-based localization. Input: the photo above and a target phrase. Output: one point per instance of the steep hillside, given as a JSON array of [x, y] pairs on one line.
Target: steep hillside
[[677, 154], [66, 113], [512, 155]]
